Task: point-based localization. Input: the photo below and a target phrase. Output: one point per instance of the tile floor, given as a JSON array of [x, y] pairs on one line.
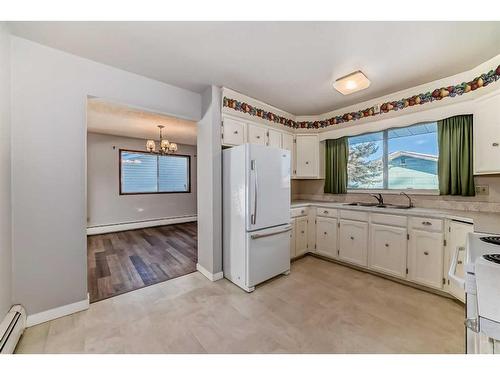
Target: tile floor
[[321, 307]]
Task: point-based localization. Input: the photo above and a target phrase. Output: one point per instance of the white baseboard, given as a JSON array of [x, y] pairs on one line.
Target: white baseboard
[[210, 276], [57, 312], [100, 229]]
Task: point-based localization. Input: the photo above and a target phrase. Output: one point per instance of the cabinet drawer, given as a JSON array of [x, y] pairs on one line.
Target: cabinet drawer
[[397, 221], [354, 215], [296, 212], [326, 212], [233, 132], [434, 225]]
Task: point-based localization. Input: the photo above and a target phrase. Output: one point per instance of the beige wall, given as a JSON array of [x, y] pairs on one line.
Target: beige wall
[[105, 206], [313, 190]]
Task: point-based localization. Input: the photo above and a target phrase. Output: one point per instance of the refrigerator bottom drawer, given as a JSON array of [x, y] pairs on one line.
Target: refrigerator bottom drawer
[[268, 254]]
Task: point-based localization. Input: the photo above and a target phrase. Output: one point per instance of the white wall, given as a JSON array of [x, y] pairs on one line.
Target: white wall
[[5, 180], [49, 96], [210, 176], [106, 206]]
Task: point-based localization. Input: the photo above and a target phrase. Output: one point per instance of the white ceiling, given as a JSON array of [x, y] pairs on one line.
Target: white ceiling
[[290, 65], [111, 118]]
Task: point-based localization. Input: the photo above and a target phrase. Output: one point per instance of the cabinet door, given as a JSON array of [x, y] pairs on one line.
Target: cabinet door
[[307, 154], [487, 136], [257, 134], [388, 248], [287, 144], [292, 239], [456, 240], [425, 254], [326, 236], [301, 235], [353, 242], [233, 132], [274, 138]]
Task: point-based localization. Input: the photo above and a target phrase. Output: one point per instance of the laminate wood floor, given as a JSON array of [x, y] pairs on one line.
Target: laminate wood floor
[[124, 261], [321, 307]]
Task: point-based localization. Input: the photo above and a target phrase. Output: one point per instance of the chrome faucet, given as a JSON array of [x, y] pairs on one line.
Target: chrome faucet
[[379, 198], [410, 203]]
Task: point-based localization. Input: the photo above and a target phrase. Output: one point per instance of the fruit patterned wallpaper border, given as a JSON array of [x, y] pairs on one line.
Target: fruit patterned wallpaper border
[[451, 91]]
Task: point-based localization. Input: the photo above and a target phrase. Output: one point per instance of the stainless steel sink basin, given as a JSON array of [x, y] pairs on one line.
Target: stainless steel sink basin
[[377, 205]]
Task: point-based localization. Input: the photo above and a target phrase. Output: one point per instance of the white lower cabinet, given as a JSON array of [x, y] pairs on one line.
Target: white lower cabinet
[[425, 258], [388, 248], [292, 239], [353, 242], [301, 224], [326, 236]]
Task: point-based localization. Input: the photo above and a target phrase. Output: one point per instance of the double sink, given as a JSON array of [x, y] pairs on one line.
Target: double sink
[[378, 205]]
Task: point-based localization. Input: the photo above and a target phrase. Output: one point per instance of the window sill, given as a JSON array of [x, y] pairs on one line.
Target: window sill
[[393, 191]]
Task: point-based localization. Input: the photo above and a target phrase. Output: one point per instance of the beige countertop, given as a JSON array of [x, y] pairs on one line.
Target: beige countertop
[[484, 222]]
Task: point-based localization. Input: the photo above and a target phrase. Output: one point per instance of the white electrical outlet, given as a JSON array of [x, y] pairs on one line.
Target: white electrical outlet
[[482, 190]]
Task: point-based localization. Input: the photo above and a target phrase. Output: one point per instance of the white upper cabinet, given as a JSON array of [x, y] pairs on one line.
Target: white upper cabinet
[[233, 132], [353, 242], [388, 247], [308, 159], [257, 134], [274, 138], [487, 135], [287, 144], [425, 253]]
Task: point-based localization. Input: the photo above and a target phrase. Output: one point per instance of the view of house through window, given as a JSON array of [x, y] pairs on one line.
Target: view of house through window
[[399, 158], [147, 173]]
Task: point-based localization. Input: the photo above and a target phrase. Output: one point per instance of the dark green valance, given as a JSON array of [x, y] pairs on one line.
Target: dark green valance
[[336, 154], [455, 164]]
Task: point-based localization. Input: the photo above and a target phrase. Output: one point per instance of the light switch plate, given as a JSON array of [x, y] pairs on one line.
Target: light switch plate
[[482, 190]]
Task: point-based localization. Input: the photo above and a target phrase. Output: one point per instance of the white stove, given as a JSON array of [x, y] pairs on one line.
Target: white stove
[[482, 287]]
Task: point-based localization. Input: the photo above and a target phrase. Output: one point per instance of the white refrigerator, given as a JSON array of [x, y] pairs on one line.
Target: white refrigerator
[[256, 214]]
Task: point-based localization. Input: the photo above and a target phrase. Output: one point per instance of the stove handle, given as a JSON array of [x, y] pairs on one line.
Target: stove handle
[[453, 268]]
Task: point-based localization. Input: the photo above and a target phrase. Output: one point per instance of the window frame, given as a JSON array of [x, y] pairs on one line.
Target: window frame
[[188, 157], [385, 166]]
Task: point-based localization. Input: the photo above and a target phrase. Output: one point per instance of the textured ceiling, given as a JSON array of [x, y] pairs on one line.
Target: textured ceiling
[[290, 65]]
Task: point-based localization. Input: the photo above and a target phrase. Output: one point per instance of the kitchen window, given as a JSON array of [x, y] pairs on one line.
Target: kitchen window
[[152, 173], [394, 159]]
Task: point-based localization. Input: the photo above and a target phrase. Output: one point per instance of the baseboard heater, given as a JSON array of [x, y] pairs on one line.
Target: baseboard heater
[[11, 329]]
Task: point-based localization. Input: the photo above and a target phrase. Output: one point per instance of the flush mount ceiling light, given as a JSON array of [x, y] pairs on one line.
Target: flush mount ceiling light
[[166, 147], [351, 83]]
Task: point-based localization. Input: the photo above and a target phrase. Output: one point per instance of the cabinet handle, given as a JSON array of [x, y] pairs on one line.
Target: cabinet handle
[[495, 144], [258, 137], [307, 162], [325, 212], [236, 132], [302, 232], [459, 262], [352, 238], [326, 233], [426, 253], [302, 211], [386, 245], [426, 223]]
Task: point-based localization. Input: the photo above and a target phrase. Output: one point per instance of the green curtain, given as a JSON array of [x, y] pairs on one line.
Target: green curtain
[[455, 168], [337, 154]]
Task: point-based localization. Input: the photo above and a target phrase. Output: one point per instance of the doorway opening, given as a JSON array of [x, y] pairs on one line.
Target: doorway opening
[[141, 198]]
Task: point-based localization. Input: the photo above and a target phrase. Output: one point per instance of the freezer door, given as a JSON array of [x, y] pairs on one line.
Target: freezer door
[[268, 254], [268, 188]]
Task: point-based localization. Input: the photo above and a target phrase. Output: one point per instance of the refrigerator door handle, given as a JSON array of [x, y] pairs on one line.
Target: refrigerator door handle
[[253, 217], [257, 235]]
